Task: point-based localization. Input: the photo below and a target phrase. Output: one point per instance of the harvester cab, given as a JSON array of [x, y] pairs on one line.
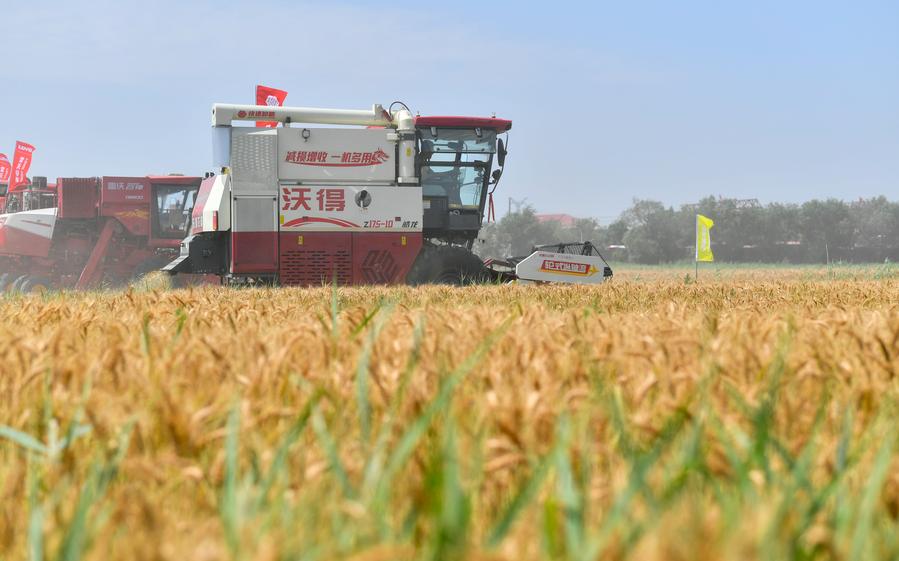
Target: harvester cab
[[456, 156], [171, 211], [397, 199]]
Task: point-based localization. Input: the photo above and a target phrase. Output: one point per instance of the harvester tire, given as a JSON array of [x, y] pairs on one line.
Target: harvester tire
[[447, 264], [34, 285], [5, 279], [16, 285]]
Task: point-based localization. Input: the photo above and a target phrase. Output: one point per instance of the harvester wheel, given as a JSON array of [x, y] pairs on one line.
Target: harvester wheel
[[447, 264], [16, 285], [36, 285], [5, 278]]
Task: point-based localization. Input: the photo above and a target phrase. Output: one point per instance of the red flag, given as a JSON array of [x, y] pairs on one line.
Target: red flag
[[271, 97], [21, 161], [5, 169]]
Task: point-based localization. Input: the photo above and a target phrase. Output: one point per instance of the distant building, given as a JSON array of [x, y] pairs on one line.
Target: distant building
[[565, 220]]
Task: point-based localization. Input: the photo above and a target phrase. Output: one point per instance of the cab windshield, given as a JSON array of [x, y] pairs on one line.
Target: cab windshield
[[455, 163], [174, 205]]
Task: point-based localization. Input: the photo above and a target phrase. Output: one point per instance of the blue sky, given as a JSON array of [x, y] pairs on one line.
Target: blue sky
[[611, 101]]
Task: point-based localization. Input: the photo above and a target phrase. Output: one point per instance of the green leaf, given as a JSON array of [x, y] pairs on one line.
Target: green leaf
[[35, 517], [228, 508], [74, 433], [570, 497], [22, 439], [362, 374], [862, 535], [523, 497], [280, 460], [327, 441], [409, 440]]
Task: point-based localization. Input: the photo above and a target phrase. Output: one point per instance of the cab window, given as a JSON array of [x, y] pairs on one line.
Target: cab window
[[174, 206]]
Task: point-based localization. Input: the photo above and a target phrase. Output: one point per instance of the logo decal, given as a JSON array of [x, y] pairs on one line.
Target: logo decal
[[327, 200], [567, 268], [379, 267], [320, 219], [363, 199], [243, 114], [136, 214], [342, 160]]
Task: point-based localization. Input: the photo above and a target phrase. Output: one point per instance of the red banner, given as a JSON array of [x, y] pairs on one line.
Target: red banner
[[270, 97], [21, 161], [5, 169]]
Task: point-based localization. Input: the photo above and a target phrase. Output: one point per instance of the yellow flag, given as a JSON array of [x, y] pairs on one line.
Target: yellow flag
[[704, 238]]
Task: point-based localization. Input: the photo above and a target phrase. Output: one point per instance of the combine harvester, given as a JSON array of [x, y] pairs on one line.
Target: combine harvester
[[92, 232], [398, 199]]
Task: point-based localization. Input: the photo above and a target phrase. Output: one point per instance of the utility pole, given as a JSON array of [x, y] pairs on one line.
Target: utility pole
[[516, 203]]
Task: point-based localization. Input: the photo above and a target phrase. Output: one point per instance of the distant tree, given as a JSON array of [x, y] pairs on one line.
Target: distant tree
[[876, 223], [863, 231], [652, 235], [516, 233], [586, 230], [826, 230], [616, 231], [491, 242], [780, 229]]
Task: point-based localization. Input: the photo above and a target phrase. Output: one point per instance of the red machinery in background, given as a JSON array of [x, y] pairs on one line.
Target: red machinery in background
[[92, 232], [34, 195]]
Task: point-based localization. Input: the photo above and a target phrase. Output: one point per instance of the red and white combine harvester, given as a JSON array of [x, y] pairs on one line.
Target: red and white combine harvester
[[92, 232], [395, 199]]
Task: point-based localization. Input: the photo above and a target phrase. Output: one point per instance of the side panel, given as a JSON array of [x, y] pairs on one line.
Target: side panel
[[254, 235], [254, 164], [347, 155], [27, 233], [313, 208], [212, 212], [127, 199], [316, 258], [219, 201], [78, 197], [196, 217], [384, 258]]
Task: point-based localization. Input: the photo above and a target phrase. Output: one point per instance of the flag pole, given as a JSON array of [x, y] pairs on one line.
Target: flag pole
[[696, 255]]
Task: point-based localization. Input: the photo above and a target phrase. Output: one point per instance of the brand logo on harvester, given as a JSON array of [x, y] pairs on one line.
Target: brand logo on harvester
[[344, 159], [567, 268], [244, 114]]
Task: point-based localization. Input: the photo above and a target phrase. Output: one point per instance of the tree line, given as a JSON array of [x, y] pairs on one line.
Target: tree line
[[818, 231]]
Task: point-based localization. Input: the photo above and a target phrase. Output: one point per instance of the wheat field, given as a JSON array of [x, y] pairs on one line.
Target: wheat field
[[743, 416]]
